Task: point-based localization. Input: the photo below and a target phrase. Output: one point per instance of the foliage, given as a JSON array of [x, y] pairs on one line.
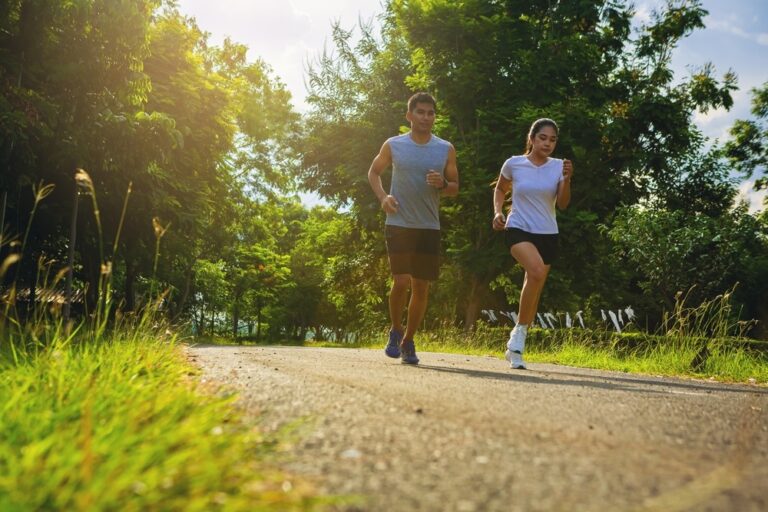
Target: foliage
[[671, 251], [133, 93], [203, 147], [495, 67], [748, 150]]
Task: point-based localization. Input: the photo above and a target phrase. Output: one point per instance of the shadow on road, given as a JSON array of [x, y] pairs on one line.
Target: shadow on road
[[635, 384]]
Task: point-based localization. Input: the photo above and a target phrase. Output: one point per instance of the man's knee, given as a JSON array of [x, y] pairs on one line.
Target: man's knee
[[419, 286], [401, 281]]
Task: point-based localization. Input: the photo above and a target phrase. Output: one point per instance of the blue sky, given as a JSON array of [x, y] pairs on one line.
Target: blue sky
[[287, 34]]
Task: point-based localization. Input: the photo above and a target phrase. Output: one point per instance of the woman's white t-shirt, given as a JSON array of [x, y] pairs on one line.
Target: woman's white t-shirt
[[534, 190]]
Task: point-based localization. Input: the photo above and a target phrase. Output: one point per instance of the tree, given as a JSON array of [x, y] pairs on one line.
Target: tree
[[674, 251], [497, 66], [748, 150], [71, 77]]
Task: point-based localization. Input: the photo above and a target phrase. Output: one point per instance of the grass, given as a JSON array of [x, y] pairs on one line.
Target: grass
[[125, 424], [106, 413], [728, 359]]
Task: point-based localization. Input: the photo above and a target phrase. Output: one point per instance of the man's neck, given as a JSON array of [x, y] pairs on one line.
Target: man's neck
[[421, 137]]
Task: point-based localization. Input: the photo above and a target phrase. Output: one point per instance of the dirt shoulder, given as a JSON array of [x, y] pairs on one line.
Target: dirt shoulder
[[465, 433]]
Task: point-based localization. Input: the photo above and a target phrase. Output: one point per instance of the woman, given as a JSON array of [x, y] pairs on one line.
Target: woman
[[538, 182]]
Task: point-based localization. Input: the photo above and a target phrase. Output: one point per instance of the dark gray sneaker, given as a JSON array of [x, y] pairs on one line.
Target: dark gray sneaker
[[408, 353], [393, 346]]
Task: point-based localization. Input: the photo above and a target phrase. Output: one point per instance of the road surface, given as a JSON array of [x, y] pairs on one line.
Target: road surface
[[465, 433]]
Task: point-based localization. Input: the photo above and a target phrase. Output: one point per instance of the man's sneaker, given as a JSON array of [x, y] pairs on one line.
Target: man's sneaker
[[516, 346], [393, 346], [408, 353]]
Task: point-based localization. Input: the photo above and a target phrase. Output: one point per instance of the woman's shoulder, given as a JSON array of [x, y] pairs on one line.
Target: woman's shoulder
[[515, 160], [555, 162]]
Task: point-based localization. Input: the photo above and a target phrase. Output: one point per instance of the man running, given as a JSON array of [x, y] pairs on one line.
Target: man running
[[423, 169]]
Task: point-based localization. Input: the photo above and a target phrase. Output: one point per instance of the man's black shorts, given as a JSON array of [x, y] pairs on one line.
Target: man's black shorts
[[547, 245], [413, 251]]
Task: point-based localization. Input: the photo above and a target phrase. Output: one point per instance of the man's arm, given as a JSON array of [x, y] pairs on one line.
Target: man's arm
[[378, 166], [451, 173]]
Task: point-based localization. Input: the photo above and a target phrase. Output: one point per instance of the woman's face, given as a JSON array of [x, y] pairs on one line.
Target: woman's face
[[544, 141]]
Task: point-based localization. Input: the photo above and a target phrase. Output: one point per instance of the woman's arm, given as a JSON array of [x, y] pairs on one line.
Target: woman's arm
[[503, 186], [564, 187]]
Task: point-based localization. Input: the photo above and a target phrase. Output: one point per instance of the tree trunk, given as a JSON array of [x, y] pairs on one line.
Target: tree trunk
[[478, 292], [201, 321], [185, 294], [258, 321], [235, 317]]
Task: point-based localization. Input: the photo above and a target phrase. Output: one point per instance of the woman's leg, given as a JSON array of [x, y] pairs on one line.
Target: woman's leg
[[536, 272]]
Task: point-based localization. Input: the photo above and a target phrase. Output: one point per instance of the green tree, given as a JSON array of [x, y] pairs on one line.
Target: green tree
[[666, 252], [497, 66], [748, 148], [71, 77], [213, 289]]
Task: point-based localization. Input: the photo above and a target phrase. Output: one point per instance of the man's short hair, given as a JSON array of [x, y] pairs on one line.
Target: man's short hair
[[421, 97]]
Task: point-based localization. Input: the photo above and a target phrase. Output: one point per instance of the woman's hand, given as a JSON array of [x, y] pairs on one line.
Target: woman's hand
[[567, 170], [499, 221]]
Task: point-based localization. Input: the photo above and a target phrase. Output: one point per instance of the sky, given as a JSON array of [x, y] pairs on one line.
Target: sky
[[290, 34]]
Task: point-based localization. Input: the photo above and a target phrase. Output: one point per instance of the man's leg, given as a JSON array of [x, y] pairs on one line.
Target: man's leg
[[417, 306], [398, 295]]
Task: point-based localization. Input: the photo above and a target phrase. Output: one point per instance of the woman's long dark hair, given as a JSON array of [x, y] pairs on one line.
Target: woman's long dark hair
[[536, 127]]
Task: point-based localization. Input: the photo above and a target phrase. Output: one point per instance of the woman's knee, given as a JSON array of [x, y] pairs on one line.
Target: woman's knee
[[536, 273]]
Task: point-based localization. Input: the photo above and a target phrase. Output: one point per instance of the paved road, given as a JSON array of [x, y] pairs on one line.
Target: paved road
[[464, 433]]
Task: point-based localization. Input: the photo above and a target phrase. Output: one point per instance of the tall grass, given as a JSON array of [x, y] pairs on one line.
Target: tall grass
[[107, 414], [122, 424]]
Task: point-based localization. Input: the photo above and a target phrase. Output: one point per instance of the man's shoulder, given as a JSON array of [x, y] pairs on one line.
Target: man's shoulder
[[397, 139], [442, 142]]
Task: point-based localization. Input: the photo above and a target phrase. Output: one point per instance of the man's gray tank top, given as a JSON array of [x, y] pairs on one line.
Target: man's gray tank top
[[418, 201]]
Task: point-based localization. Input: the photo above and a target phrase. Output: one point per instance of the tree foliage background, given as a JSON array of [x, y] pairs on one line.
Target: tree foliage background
[[214, 152]]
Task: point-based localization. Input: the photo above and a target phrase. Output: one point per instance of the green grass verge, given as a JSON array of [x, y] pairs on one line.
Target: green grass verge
[[123, 424]]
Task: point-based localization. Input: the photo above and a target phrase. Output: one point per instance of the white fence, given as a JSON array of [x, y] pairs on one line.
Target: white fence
[[615, 319]]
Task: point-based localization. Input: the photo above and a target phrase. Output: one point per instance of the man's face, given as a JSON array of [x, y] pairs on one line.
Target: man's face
[[422, 117]]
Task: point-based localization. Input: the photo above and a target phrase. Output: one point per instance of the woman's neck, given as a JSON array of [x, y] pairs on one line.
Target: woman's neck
[[536, 158]]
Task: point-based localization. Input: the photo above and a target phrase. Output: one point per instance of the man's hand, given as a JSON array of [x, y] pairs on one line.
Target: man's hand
[[436, 180], [389, 204]]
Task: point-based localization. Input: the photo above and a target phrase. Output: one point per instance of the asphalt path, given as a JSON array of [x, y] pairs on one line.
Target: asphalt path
[[465, 433]]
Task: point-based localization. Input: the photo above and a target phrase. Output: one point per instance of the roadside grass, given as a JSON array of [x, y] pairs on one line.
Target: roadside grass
[[727, 359], [124, 423], [702, 341], [108, 413]]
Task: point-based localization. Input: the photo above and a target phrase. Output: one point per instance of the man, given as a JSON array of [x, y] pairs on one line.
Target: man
[[423, 169]]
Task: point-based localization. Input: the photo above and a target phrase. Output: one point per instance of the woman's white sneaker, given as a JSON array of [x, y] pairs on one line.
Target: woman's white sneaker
[[516, 346], [515, 360]]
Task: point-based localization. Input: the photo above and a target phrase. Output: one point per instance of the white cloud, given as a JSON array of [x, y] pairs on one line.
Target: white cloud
[[752, 197], [286, 34], [729, 27], [643, 14]]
